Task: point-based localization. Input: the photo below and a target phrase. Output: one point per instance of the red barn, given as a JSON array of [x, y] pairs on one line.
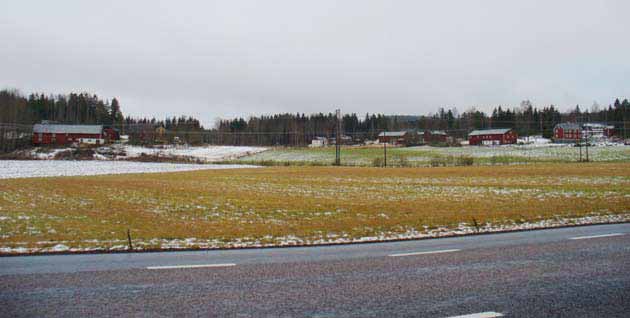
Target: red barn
[[435, 136], [55, 134], [405, 138], [567, 132], [492, 137]]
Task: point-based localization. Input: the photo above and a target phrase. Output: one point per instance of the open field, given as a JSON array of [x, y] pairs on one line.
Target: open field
[[425, 155], [301, 205], [12, 169]]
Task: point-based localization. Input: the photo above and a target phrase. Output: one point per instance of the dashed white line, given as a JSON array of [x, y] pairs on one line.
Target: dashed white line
[[191, 266], [487, 314], [424, 253], [595, 236]]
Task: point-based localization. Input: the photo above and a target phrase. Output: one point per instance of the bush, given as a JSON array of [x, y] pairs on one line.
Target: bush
[[437, 161], [378, 162], [465, 160]]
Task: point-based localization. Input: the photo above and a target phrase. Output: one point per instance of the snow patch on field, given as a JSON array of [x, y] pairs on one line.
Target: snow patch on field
[[11, 169], [292, 240], [204, 153], [41, 154]]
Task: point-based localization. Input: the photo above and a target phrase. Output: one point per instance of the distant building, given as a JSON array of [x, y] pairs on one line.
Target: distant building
[[319, 142], [159, 135], [567, 132], [598, 130], [572, 132], [405, 138], [345, 140], [435, 136], [56, 134], [492, 137]]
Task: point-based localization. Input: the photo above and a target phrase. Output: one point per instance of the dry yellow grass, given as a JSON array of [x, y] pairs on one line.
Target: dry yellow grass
[[306, 202]]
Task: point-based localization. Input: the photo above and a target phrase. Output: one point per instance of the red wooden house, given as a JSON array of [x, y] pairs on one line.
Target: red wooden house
[[404, 138], [567, 132], [56, 134], [435, 136], [492, 137]]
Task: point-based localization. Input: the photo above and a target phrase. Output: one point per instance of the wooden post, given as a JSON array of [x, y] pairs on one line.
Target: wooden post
[[385, 153], [338, 139], [129, 240]]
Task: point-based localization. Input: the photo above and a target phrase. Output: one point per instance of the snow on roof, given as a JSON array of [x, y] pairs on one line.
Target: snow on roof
[[393, 134], [489, 132], [67, 129], [568, 126], [598, 125], [437, 132]]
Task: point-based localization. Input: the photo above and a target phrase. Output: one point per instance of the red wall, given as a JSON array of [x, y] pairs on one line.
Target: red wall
[[429, 138], [507, 138], [61, 139], [560, 133]]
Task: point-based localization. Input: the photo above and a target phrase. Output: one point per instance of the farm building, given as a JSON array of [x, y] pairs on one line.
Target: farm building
[[598, 130], [345, 140], [492, 137], [435, 136], [319, 142], [567, 132], [570, 132], [57, 134], [406, 138]]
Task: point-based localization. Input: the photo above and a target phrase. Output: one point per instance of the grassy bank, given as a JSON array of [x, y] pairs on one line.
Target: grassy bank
[[279, 204], [435, 156]]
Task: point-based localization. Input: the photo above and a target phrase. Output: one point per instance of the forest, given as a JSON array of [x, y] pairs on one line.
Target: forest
[[300, 129], [19, 112]]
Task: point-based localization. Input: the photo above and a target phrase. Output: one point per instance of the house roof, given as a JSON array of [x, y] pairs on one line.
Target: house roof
[[489, 132], [437, 132], [568, 126], [68, 129], [393, 134], [598, 125]]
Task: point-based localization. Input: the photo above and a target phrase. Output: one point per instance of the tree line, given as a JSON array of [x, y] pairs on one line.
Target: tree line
[[18, 113], [299, 129]]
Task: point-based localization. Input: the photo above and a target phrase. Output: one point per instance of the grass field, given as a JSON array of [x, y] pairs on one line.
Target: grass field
[[285, 205], [426, 156]]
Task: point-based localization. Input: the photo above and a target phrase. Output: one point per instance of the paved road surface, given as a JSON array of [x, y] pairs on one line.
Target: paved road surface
[[571, 272]]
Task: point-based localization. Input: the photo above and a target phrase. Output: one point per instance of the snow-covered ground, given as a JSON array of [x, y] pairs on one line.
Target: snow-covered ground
[[202, 153], [534, 149], [47, 155], [10, 169]]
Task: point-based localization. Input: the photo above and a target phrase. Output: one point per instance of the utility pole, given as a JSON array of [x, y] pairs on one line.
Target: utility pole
[[586, 137], [385, 152], [338, 139]]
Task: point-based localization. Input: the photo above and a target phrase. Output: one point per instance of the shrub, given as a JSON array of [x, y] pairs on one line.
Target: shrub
[[437, 161], [378, 162], [465, 160]]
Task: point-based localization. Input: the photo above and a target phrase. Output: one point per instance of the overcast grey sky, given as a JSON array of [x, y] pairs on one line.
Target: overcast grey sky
[[236, 58]]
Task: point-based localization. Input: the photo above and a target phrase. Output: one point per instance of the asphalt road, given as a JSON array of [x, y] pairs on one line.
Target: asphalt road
[[570, 272]]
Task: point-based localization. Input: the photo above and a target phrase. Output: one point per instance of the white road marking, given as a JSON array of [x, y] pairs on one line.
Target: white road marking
[[191, 266], [487, 314], [424, 253], [595, 236]]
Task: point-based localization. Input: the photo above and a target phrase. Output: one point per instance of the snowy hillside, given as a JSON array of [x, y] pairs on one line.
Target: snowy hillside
[[204, 153], [11, 169]]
